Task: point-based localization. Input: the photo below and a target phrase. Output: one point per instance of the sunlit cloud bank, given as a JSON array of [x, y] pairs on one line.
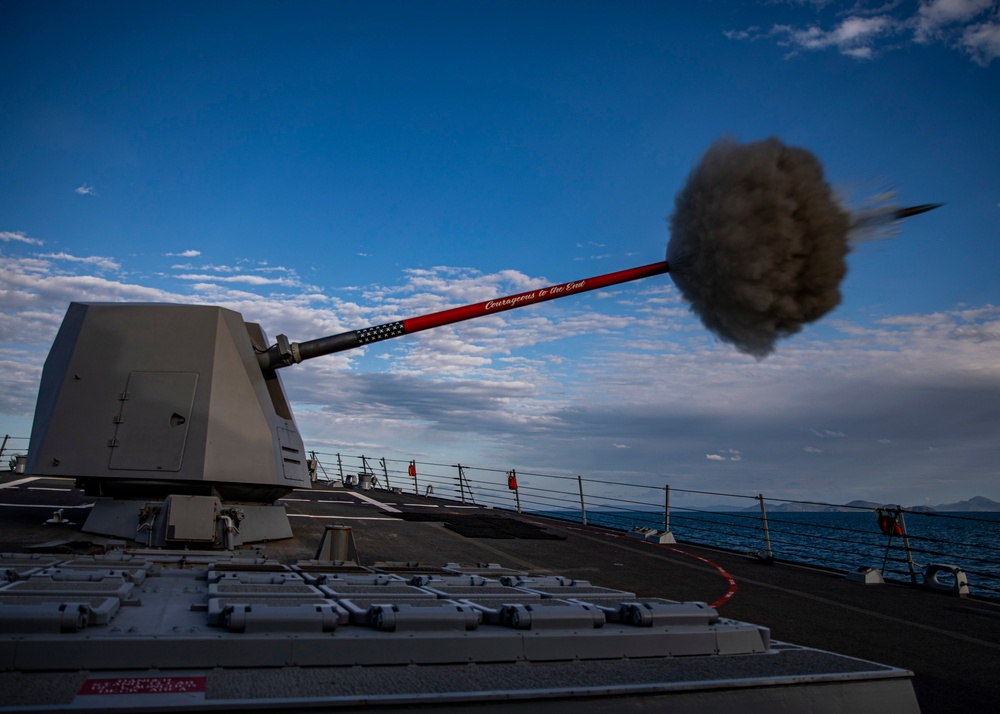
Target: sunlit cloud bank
[[624, 384], [866, 30]]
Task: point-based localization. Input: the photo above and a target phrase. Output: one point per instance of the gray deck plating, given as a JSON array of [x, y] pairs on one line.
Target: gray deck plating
[[213, 638], [160, 630]]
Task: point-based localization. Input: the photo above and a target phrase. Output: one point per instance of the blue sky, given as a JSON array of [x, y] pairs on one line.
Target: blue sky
[[324, 166]]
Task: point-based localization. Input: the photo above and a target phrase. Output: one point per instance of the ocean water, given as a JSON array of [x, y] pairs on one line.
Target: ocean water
[[842, 541]]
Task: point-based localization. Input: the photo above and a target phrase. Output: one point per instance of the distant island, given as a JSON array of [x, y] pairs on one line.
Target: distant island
[[977, 504]]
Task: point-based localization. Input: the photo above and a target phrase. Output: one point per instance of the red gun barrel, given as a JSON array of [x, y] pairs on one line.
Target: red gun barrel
[[285, 353]]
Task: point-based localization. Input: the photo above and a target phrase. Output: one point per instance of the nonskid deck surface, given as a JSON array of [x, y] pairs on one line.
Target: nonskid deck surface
[[516, 612]]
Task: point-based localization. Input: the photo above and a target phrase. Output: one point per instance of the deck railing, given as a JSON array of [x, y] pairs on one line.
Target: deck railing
[[840, 537]]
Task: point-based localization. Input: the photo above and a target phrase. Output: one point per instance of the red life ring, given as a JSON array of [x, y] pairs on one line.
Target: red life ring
[[413, 469], [511, 481]]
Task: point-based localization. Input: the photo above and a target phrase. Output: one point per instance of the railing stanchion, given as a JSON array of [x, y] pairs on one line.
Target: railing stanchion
[[583, 508], [517, 492], [412, 470], [767, 534], [666, 509], [316, 467], [906, 544], [465, 479]]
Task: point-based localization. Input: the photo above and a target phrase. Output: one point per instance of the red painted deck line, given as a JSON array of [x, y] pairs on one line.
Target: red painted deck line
[[733, 587]]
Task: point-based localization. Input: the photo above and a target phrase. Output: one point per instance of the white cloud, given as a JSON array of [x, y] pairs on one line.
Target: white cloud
[[733, 455], [982, 42], [190, 253], [208, 266], [854, 36], [933, 16], [248, 279], [18, 237], [97, 261], [274, 269], [86, 190], [34, 292], [963, 25]]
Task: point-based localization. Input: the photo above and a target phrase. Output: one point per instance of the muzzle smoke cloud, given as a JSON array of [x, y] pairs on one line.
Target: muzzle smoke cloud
[[758, 243]]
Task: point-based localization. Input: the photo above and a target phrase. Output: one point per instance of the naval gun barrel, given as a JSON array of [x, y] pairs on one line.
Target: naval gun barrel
[[285, 353]]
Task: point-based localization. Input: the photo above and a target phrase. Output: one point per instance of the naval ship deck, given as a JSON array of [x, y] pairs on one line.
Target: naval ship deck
[[837, 629]]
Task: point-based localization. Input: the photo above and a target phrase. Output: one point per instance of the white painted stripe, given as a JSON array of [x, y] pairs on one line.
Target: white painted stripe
[[42, 505], [311, 500], [438, 505], [378, 504], [20, 481], [344, 518]]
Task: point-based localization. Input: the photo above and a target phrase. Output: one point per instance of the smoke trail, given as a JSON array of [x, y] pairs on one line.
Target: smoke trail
[[758, 242], [876, 219]]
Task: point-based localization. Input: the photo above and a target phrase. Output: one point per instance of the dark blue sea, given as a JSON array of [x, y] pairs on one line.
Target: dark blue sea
[[842, 541]]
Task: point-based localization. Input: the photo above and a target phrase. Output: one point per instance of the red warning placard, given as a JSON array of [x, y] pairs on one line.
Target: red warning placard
[[143, 685]]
